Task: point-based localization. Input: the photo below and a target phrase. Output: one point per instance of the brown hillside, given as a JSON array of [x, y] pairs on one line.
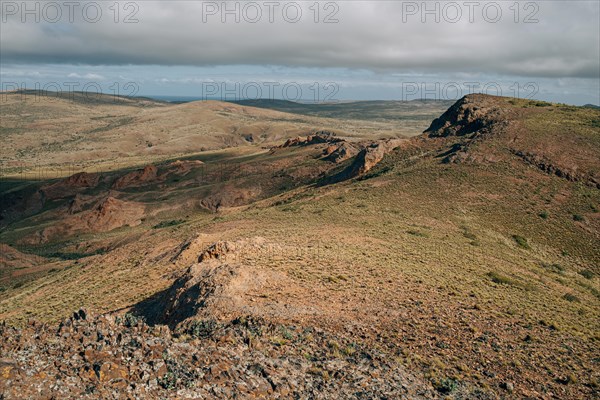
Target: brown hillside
[[560, 140], [452, 256]]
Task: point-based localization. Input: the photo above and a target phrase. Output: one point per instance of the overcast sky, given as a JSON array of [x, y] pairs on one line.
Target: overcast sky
[[328, 51]]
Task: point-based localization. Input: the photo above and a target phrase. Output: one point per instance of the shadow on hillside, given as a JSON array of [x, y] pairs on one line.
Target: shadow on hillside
[[171, 306], [152, 308]]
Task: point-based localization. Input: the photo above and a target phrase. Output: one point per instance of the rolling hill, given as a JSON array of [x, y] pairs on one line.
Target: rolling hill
[[109, 132], [461, 262]]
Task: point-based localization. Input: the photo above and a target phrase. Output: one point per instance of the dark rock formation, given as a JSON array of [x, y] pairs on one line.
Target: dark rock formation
[[469, 114]]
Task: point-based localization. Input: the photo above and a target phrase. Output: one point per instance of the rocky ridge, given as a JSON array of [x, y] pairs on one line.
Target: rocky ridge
[[503, 127]]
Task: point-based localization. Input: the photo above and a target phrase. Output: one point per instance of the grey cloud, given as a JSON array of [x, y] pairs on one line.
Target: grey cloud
[[370, 35]]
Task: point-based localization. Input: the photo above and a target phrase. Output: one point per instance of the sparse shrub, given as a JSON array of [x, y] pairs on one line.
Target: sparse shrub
[[166, 224], [130, 320], [578, 218], [202, 328], [572, 298], [569, 379], [177, 376], [316, 371], [557, 268], [521, 241], [169, 381], [500, 279], [75, 256], [469, 235], [350, 350], [250, 324], [278, 341], [550, 325], [287, 335], [544, 215], [586, 273], [446, 385], [417, 233]]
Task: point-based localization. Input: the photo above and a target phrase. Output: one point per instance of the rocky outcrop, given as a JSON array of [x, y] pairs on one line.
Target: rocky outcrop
[[481, 129], [366, 159], [111, 213], [372, 155], [76, 205], [216, 282], [18, 205], [549, 167], [136, 178], [70, 186], [82, 179], [182, 168], [107, 214], [220, 250], [337, 151], [317, 138], [230, 195], [340, 152], [468, 115]]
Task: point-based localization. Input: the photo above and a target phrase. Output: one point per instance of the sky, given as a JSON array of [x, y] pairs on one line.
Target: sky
[[305, 50]]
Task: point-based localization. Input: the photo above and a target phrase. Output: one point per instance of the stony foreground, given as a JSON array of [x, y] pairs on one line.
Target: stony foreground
[[109, 358]]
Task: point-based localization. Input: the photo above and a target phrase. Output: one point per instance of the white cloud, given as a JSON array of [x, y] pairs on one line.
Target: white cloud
[[88, 76]]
